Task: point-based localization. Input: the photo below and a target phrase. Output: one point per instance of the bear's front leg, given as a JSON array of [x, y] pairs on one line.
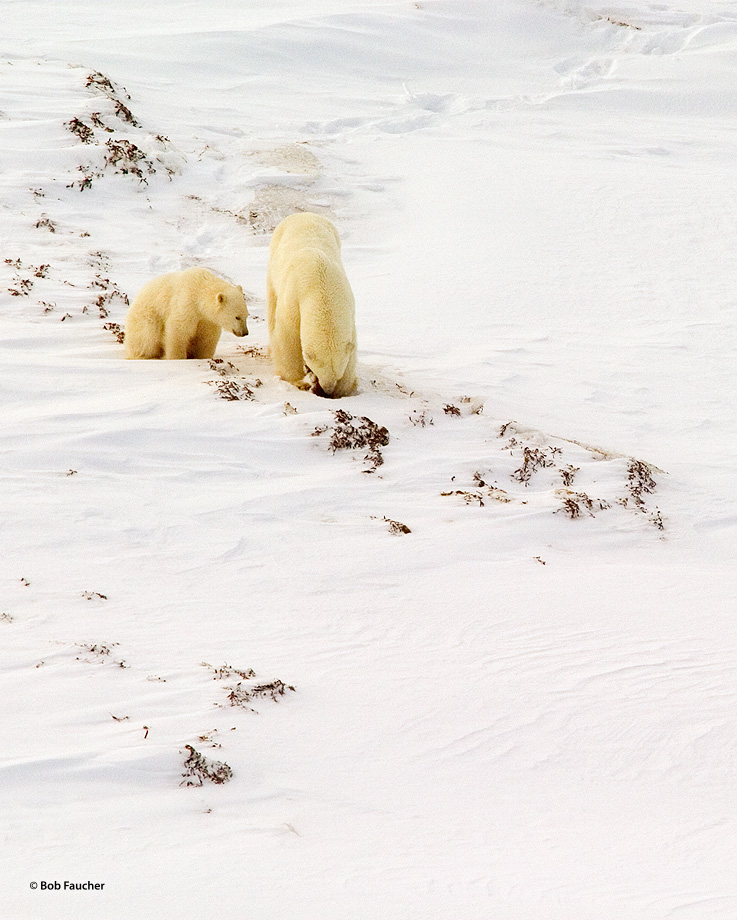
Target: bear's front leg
[[205, 341], [175, 344]]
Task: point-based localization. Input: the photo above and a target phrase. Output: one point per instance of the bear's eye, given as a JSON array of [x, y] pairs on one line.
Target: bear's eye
[[238, 318]]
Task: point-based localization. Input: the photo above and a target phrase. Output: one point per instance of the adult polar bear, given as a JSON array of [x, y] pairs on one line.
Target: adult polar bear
[[181, 315], [310, 307]]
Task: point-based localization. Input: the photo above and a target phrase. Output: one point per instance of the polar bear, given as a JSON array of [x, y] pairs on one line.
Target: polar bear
[[181, 315], [310, 307]]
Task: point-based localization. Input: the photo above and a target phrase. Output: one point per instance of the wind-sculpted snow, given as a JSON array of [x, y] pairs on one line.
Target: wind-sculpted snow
[[461, 644]]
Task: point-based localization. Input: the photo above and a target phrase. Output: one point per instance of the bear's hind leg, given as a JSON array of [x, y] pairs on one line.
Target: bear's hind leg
[[286, 353], [270, 303], [142, 340]]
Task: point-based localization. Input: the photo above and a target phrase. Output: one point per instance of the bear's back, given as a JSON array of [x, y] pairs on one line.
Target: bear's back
[[306, 230], [197, 278]]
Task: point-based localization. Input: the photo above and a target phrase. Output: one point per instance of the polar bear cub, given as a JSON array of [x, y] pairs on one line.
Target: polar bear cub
[[310, 307], [181, 315]]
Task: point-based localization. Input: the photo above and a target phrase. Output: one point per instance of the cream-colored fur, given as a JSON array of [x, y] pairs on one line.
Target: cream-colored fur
[[310, 307], [181, 315]]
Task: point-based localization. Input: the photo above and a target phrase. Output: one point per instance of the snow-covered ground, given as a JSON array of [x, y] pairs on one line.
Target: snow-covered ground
[[522, 709]]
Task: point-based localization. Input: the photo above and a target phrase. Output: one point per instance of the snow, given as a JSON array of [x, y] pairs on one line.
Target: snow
[[524, 707]]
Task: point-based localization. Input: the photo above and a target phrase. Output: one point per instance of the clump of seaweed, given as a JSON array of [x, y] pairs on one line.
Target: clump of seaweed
[[102, 652], [233, 390], [534, 459], [24, 276], [481, 490], [127, 159], [241, 695], [395, 527], [222, 367], [640, 482], [245, 692], [225, 671], [575, 504], [81, 130], [45, 223], [229, 386], [88, 176], [103, 84], [470, 498], [362, 433], [421, 419], [197, 769], [121, 155]]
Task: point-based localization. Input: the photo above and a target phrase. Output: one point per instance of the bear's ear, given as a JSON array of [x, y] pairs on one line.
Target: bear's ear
[[240, 288], [221, 297]]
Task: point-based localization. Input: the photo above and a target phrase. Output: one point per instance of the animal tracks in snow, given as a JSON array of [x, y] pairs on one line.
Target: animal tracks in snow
[[465, 465], [625, 32], [413, 111], [653, 28], [577, 75]]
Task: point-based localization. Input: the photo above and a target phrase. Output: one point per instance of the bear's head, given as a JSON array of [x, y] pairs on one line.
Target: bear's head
[[232, 310], [329, 366]]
